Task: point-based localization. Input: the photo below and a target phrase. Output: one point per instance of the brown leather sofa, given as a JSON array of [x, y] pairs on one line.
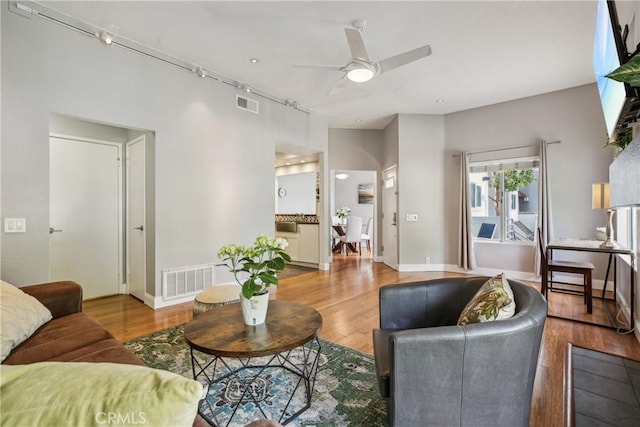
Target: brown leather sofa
[[71, 336]]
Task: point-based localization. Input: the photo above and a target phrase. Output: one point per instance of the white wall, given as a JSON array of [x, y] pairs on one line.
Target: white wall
[[421, 187], [573, 116], [214, 170], [299, 193], [346, 194]]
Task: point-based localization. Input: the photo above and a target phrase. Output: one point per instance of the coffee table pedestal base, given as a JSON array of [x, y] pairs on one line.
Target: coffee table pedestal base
[[277, 387]]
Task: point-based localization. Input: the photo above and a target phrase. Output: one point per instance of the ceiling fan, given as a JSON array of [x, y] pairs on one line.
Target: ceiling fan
[[360, 68]]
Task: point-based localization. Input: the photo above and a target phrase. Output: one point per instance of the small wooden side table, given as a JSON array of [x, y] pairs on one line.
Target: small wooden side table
[[239, 363]]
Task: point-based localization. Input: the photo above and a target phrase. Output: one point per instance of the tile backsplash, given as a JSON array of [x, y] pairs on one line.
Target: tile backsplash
[[299, 218]]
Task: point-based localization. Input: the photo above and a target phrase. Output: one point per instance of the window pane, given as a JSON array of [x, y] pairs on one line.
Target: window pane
[[521, 211], [504, 204]]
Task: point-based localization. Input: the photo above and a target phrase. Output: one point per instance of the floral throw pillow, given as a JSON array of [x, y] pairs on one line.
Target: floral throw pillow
[[493, 301]]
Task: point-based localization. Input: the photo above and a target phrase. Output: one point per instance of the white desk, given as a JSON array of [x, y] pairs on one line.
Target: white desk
[[586, 245]]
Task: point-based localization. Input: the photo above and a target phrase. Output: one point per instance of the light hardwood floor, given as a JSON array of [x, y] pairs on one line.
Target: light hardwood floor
[[347, 298]]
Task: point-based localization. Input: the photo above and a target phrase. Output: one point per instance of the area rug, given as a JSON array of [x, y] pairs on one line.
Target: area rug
[[345, 393], [606, 389]]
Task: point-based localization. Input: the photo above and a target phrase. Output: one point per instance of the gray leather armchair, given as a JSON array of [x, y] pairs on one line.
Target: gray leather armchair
[[434, 373]]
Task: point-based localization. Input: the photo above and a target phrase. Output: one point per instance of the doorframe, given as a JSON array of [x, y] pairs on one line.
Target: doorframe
[[126, 233], [382, 195], [377, 210], [122, 287]]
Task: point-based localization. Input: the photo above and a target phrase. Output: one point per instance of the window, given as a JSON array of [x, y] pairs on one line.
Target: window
[[476, 195], [505, 193]]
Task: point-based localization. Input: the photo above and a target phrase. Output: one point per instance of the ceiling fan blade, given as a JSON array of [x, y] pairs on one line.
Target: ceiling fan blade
[[319, 66], [338, 86], [404, 58], [356, 44]]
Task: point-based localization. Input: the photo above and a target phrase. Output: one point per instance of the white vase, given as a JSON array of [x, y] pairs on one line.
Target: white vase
[[254, 310]]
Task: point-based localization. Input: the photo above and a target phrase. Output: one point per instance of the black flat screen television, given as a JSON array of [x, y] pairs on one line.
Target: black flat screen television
[[620, 102]]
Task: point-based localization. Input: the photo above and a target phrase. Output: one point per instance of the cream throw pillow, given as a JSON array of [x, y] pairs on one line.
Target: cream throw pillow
[[20, 316], [95, 394], [493, 301]]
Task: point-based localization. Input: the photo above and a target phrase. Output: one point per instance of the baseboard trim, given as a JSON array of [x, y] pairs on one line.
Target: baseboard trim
[[159, 302]]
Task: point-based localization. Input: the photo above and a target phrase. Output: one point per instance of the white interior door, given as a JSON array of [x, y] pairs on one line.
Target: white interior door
[[390, 218], [136, 225], [85, 215]]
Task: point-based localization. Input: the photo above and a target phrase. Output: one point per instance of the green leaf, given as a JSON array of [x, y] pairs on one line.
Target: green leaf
[[635, 82], [276, 264], [285, 256], [628, 73], [268, 279]]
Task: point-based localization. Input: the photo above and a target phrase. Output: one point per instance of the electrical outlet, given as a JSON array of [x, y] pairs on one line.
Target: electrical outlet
[[15, 225], [412, 217], [427, 260]]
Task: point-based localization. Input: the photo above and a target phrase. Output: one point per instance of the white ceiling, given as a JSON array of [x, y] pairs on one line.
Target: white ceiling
[[484, 52]]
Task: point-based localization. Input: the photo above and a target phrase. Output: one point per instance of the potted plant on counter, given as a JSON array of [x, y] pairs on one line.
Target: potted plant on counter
[[255, 268]]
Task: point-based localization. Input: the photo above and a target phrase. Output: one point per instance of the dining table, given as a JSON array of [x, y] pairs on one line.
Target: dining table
[[342, 231]]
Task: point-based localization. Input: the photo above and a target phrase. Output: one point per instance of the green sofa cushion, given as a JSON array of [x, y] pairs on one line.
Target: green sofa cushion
[[95, 394]]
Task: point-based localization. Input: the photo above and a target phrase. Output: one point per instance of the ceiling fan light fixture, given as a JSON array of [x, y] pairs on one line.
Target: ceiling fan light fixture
[[360, 75]]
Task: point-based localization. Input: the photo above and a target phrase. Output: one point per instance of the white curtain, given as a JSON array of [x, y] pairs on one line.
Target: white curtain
[[545, 222], [467, 258]]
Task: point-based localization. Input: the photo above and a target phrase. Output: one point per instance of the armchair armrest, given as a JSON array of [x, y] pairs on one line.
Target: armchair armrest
[[61, 298]]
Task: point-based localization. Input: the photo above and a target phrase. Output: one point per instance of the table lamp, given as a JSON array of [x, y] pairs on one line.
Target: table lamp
[[600, 200]]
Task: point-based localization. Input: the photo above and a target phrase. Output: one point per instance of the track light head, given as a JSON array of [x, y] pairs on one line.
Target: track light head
[[201, 72], [106, 35], [106, 38]]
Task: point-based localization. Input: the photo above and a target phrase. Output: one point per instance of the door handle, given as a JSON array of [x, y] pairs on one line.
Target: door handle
[[53, 230], [141, 228]]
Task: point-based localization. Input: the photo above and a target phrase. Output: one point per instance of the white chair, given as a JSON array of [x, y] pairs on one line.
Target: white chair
[[335, 236], [353, 236], [366, 236]]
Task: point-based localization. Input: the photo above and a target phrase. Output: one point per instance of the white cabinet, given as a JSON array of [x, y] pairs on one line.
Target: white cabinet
[[303, 245], [292, 247], [308, 243]]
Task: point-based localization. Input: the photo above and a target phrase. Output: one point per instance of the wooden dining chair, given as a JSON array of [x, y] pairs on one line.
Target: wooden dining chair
[[548, 267]]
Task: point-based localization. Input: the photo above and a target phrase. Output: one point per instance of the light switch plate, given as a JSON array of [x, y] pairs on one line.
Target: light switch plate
[[15, 225], [412, 217]]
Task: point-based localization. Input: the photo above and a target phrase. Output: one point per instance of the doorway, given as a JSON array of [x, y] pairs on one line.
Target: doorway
[[390, 217], [102, 207], [85, 214], [136, 228], [357, 190]]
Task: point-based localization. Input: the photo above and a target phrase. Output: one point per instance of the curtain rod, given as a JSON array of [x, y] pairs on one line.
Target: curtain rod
[[505, 149]]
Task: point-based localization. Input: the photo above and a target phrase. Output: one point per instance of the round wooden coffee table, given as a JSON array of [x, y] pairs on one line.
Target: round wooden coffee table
[[248, 368]]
